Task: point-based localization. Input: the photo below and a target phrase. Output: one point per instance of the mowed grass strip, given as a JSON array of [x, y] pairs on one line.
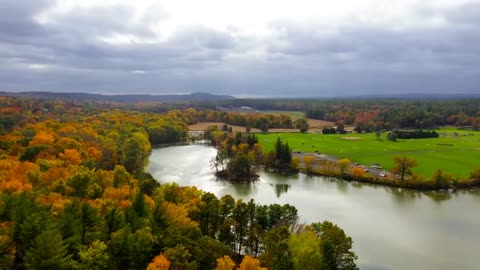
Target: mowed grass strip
[[455, 152]]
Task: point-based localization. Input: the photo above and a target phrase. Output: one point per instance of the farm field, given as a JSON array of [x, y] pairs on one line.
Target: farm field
[[455, 152]]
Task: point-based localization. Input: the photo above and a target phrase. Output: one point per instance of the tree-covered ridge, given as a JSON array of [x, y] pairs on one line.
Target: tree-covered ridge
[[374, 113], [73, 195]]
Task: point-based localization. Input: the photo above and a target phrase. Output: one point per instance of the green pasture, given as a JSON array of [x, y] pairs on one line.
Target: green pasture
[[456, 152]]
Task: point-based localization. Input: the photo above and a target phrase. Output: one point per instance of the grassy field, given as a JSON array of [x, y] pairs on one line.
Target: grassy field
[[455, 152]]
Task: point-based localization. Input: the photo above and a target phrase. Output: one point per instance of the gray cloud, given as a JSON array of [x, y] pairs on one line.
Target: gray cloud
[[67, 55]]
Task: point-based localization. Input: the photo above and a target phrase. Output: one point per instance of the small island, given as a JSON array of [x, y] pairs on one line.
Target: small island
[[239, 155]]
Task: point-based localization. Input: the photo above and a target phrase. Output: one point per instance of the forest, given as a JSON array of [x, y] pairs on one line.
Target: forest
[[74, 195], [373, 114]]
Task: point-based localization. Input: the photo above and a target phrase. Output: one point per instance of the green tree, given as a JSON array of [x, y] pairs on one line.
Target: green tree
[[264, 128], [48, 251], [441, 179], [70, 226], [475, 174], [336, 247], [209, 216], [114, 220], [78, 184], [302, 124], [306, 251], [277, 254], [88, 220], [283, 154], [132, 250], [240, 223], [241, 166], [120, 176], [180, 258], [206, 250], [95, 257], [392, 136]]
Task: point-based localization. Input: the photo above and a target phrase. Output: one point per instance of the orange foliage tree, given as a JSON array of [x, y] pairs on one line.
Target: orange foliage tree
[[160, 262], [358, 172]]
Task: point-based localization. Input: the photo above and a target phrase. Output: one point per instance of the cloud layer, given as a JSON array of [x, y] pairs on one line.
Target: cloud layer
[[244, 49]]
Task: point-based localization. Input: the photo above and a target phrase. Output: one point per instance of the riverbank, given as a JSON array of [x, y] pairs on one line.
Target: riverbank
[[418, 185], [328, 166]]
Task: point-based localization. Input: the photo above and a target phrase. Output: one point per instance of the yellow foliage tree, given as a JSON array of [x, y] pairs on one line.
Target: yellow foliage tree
[[249, 263], [308, 161], [343, 165], [404, 166], [295, 162], [225, 263], [177, 214]]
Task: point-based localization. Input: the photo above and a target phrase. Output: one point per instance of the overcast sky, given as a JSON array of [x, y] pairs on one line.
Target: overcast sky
[[245, 48]]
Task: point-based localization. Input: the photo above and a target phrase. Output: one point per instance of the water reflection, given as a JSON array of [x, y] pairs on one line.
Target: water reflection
[[280, 189], [403, 197], [243, 189], [342, 186], [438, 196]]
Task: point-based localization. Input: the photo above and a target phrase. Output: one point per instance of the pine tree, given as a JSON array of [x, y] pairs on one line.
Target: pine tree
[[88, 220], [48, 252]]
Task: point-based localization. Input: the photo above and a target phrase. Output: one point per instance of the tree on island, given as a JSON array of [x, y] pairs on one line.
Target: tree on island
[[283, 155], [237, 156], [404, 166], [241, 166]]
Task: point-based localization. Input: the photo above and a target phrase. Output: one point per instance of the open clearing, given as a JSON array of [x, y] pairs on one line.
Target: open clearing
[[455, 152]]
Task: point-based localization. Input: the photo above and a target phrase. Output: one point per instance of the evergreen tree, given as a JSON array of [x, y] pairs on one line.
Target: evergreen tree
[[48, 252], [114, 220], [88, 220]]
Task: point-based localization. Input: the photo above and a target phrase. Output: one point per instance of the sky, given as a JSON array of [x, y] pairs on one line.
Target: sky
[[247, 48]]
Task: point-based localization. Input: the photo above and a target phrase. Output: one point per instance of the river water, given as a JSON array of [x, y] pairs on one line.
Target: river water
[[391, 228]]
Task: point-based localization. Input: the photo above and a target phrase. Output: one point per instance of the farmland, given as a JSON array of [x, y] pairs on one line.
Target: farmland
[[455, 152]]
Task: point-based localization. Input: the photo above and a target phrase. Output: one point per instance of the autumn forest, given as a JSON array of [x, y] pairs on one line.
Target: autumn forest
[[74, 195]]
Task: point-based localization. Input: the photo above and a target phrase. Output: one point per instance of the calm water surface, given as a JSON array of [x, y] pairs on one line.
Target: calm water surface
[[391, 228]]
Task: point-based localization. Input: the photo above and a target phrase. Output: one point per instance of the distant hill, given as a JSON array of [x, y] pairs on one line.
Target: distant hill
[[199, 96]]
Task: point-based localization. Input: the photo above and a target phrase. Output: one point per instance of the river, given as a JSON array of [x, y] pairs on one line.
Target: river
[[392, 228]]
